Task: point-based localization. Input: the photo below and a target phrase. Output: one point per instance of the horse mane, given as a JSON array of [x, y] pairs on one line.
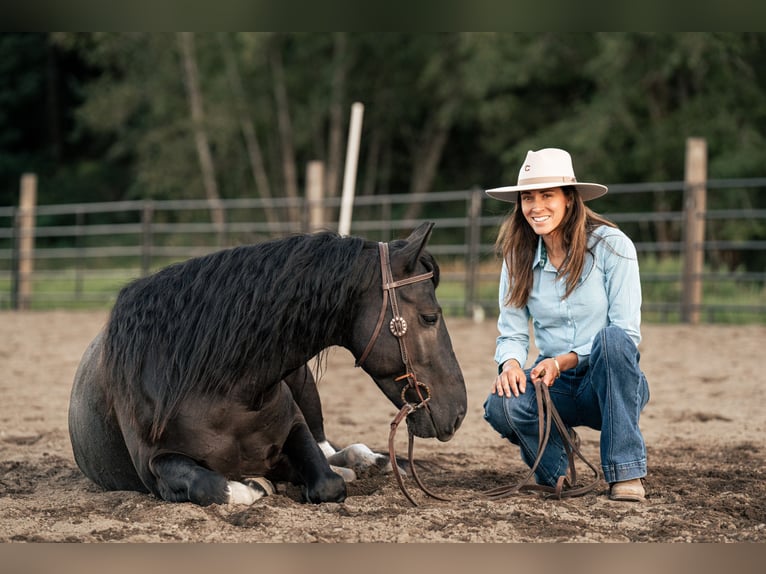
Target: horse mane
[[209, 323]]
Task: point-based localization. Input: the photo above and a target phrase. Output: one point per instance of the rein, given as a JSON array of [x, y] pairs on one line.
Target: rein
[[565, 485]]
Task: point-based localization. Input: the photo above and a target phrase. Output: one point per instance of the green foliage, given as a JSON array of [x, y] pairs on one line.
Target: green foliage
[[622, 103], [106, 116]]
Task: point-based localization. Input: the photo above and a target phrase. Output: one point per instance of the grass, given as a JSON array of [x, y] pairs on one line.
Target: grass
[[725, 299], [728, 300], [69, 289]]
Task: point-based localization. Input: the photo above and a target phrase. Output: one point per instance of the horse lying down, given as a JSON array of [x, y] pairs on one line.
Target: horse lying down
[[198, 389]]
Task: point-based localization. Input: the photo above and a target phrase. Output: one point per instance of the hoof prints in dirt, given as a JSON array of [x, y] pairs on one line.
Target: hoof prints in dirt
[[719, 493], [19, 478], [701, 417], [694, 493]]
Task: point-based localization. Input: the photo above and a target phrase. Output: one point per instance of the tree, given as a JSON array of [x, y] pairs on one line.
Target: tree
[[247, 126], [442, 111], [207, 166]]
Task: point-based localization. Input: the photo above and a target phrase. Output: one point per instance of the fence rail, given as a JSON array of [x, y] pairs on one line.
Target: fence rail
[[83, 253]]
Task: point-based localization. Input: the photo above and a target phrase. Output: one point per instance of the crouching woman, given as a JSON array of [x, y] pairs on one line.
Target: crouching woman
[[574, 274]]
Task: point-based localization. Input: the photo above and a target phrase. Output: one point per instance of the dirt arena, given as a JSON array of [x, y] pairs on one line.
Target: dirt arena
[[704, 428]]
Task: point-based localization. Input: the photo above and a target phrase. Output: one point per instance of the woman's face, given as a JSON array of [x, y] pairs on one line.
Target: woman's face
[[544, 209]]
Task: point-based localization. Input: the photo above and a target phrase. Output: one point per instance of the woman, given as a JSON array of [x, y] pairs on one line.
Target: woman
[[575, 275]]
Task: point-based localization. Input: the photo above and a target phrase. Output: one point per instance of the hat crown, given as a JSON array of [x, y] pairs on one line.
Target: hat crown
[[545, 169], [547, 165]]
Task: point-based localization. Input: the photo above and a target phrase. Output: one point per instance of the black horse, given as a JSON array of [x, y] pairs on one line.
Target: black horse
[[198, 388]]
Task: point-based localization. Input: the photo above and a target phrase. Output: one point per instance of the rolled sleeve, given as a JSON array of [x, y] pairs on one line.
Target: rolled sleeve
[[583, 354], [623, 287], [513, 326]]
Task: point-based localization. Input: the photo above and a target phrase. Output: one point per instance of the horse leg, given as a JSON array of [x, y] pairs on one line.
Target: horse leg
[[303, 387], [321, 483], [273, 442], [347, 461], [304, 390], [98, 444], [359, 457], [181, 479]]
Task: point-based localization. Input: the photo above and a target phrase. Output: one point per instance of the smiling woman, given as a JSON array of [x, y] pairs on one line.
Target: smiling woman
[[544, 210], [576, 276]]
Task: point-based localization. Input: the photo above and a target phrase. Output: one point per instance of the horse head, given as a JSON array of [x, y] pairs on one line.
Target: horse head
[[400, 339]]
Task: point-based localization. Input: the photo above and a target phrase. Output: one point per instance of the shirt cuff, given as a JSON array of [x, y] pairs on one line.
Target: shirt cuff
[[500, 365]]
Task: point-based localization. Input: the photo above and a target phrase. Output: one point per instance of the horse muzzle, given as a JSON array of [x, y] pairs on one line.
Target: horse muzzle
[[432, 421]]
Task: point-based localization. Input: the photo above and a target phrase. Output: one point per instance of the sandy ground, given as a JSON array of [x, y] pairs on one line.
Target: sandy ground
[[704, 428]]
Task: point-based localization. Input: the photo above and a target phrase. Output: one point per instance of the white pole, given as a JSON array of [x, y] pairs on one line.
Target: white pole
[[349, 176]]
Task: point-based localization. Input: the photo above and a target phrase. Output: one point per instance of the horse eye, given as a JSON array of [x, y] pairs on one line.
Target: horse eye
[[430, 319]]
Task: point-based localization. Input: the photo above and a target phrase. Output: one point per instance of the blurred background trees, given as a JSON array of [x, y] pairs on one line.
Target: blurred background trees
[[109, 116]]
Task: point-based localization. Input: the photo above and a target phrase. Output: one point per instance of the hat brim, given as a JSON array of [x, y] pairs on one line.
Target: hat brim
[[511, 192]]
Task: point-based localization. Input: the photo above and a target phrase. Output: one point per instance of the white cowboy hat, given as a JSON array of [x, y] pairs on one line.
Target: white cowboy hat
[[543, 169]]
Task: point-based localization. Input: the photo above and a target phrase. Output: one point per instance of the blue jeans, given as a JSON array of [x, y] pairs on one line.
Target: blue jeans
[[607, 394]]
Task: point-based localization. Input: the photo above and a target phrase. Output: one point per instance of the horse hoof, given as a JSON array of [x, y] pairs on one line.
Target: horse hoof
[[249, 490], [347, 474], [386, 467], [360, 457], [330, 489]]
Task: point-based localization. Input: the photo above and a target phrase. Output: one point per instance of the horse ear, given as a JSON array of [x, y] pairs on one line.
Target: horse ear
[[416, 242]]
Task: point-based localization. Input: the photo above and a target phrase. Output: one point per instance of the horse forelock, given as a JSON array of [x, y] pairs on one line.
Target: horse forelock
[[241, 315]]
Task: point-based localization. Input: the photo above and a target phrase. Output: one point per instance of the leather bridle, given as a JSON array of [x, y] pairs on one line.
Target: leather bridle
[[398, 328]]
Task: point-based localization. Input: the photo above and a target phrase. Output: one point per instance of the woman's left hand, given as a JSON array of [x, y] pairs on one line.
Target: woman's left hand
[[545, 371]]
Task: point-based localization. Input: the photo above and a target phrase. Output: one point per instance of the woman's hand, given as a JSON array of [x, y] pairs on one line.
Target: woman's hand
[[512, 380], [547, 371]]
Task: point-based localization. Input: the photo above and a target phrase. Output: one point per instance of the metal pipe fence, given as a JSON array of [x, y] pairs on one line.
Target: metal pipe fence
[[83, 253]]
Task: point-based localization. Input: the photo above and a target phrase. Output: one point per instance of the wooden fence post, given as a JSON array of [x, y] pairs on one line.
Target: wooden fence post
[[26, 239], [695, 205], [315, 195], [473, 240]]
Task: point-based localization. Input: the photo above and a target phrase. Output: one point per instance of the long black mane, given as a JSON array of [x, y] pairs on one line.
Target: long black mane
[[209, 323]]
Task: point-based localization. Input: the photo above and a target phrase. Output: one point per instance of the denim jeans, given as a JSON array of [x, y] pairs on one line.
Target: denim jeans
[[606, 394]]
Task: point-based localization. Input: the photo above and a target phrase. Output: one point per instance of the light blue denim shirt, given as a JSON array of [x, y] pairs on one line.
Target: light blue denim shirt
[[608, 293]]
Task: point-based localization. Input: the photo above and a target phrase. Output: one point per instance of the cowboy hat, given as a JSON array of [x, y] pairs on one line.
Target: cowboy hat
[[543, 169]]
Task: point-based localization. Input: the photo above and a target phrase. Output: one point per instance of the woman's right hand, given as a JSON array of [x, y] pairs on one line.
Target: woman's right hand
[[512, 380]]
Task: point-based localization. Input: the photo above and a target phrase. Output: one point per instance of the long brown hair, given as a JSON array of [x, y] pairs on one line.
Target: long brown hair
[[517, 244]]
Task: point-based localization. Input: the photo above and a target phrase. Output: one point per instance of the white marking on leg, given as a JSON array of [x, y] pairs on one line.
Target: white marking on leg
[[360, 457], [249, 491], [327, 448], [347, 474]]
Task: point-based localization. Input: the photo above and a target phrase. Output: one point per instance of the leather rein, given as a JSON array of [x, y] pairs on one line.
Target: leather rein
[[566, 485]]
